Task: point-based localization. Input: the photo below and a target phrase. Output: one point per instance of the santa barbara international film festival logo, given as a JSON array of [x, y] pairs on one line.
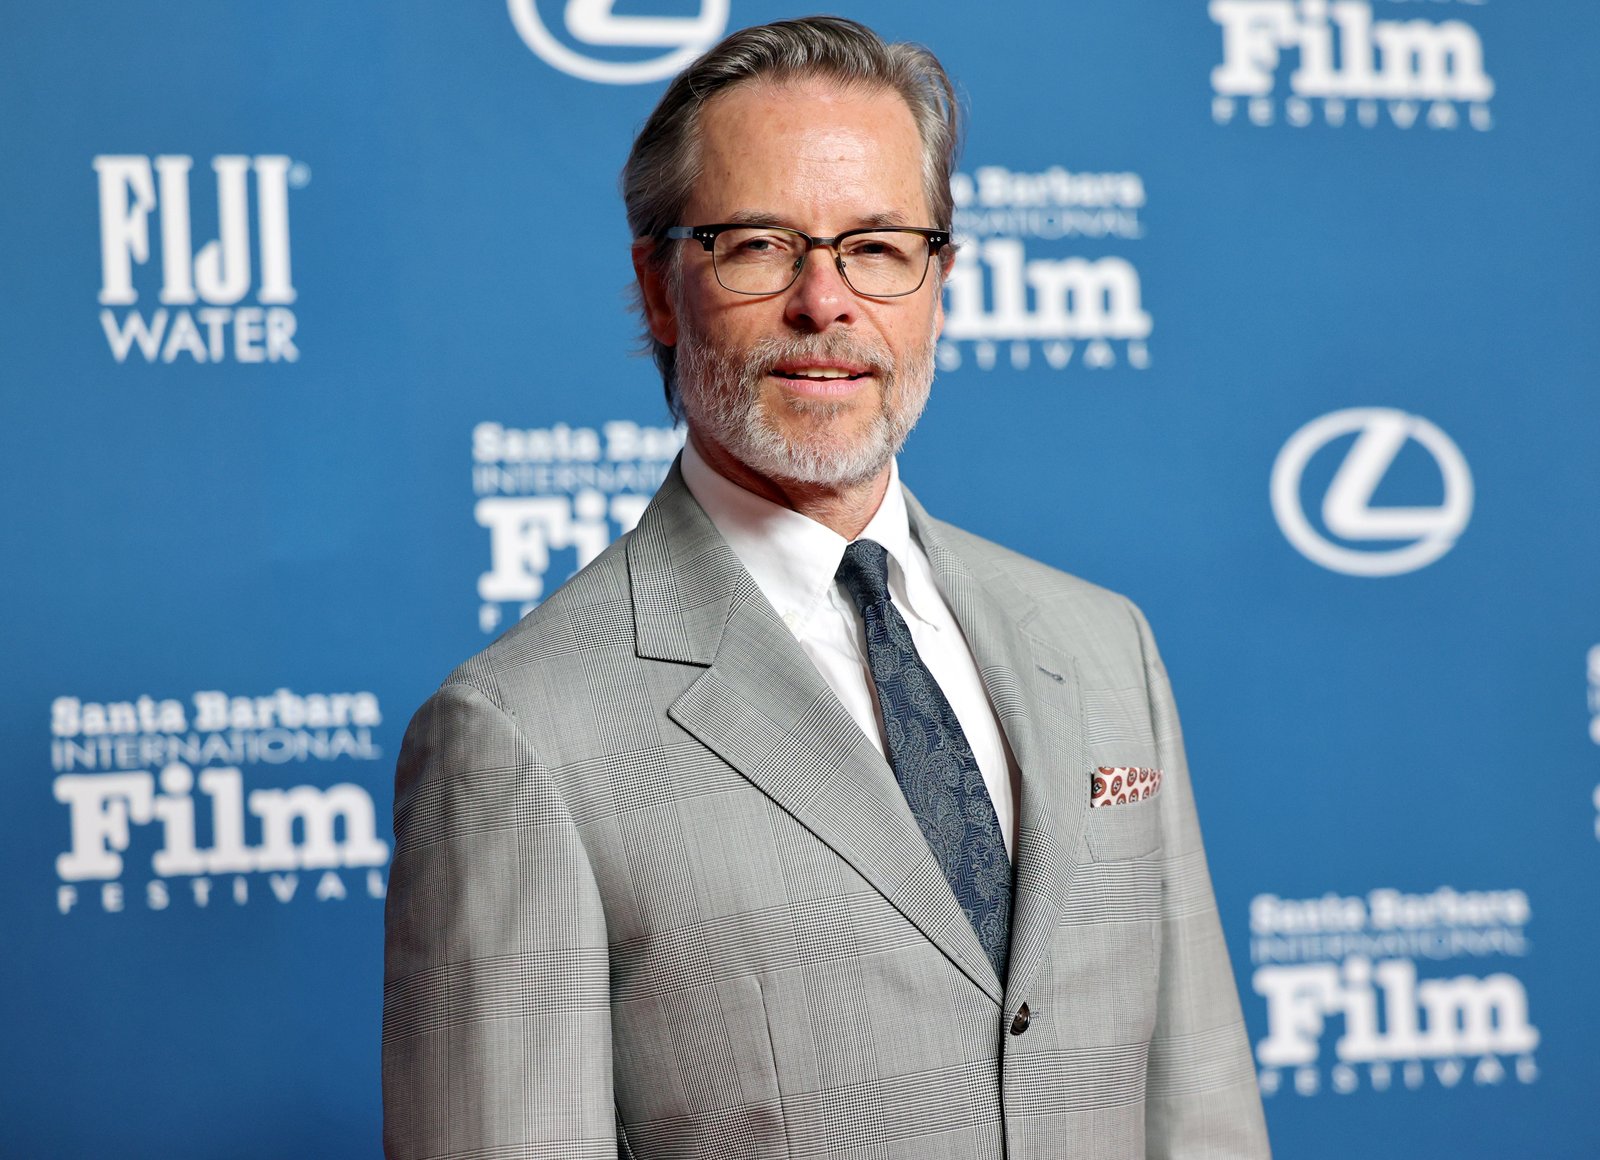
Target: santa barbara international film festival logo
[[588, 39], [1041, 281], [553, 498], [1392, 991], [1357, 536], [1355, 62], [190, 802], [229, 300]]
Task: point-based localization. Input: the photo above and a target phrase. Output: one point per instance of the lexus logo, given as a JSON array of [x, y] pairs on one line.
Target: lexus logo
[[1403, 538], [593, 23]]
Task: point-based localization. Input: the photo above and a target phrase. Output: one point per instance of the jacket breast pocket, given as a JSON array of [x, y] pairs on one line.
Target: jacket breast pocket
[[1116, 833]]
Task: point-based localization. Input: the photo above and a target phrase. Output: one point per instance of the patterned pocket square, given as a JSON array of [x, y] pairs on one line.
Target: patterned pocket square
[[1116, 785]]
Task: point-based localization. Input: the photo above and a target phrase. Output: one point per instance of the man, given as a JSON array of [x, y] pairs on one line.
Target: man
[[800, 823]]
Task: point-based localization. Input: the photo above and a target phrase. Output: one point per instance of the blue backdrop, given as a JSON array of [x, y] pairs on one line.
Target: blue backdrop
[[1278, 316]]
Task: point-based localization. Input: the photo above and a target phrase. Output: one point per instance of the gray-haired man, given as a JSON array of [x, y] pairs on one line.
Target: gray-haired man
[[800, 823]]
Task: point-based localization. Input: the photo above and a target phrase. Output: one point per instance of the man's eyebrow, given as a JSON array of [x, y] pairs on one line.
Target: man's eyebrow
[[755, 218]]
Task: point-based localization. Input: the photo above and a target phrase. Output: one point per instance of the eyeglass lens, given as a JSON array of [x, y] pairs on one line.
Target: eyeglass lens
[[766, 259]]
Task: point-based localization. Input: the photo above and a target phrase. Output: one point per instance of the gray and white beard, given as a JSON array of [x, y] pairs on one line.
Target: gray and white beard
[[721, 395]]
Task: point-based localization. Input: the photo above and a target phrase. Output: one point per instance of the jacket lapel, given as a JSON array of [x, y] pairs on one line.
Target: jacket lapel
[[1034, 689], [762, 707]]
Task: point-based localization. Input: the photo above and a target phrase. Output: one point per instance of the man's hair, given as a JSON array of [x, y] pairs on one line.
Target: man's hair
[[665, 160]]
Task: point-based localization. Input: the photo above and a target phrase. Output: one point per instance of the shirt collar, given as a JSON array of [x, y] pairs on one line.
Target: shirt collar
[[791, 557]]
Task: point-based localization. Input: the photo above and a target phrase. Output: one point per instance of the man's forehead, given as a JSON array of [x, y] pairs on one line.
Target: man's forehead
[[776, 139]]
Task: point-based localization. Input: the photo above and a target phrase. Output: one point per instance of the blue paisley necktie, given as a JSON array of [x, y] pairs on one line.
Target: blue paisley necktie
[[931, 758]]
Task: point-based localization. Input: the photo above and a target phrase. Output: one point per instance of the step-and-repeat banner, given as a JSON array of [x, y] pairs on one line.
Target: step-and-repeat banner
[[1280, 316]]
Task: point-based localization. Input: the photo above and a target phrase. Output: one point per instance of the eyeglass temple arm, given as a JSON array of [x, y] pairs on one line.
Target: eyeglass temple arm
[[707, 239]]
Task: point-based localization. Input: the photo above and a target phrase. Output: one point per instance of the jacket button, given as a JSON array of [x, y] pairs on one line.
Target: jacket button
[[1020, 1023]]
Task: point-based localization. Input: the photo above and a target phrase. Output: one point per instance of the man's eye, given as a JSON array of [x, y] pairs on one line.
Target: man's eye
[[761, 245], [877, 249]]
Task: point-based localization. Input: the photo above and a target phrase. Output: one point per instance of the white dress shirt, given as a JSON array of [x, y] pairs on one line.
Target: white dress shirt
[[792, 559]]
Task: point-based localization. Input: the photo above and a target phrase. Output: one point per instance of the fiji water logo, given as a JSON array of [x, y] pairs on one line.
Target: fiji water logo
[[553, 498], [1347, 1008], [1348, 67], [227, 300], [1042, 280]]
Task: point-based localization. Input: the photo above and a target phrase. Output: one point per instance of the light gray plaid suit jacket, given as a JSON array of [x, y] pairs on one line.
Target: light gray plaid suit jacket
[[655, 895]]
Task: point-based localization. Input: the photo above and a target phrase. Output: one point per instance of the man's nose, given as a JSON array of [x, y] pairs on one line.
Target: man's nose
[[820, 298]]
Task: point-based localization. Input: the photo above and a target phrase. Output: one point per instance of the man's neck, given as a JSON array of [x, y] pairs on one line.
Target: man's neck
[[846, 509]]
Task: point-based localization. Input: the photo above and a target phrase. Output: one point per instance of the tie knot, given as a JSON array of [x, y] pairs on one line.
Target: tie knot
[[864, 572]]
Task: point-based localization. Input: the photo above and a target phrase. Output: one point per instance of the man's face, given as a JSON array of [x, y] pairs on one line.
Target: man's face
[[817, 384]]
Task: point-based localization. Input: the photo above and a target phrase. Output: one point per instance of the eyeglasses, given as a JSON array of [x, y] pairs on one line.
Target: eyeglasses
[[877, 263]]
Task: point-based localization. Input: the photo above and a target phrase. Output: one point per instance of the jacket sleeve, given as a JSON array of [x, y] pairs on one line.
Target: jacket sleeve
[[496, 1013], [1201, 1102]]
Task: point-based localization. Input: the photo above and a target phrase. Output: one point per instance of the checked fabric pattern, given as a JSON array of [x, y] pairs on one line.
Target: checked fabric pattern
[[931, 758]]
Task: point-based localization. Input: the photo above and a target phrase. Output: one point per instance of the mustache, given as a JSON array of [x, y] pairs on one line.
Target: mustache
[[768, 353]]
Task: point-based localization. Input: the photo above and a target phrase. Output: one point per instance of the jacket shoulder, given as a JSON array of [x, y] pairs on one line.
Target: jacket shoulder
[[592, 612], [1049, 587]]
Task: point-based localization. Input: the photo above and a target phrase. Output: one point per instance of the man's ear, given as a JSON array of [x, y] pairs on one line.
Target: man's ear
[[659, 314]]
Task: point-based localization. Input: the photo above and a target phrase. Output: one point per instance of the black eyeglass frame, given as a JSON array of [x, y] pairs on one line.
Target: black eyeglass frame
[[707, 237]]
